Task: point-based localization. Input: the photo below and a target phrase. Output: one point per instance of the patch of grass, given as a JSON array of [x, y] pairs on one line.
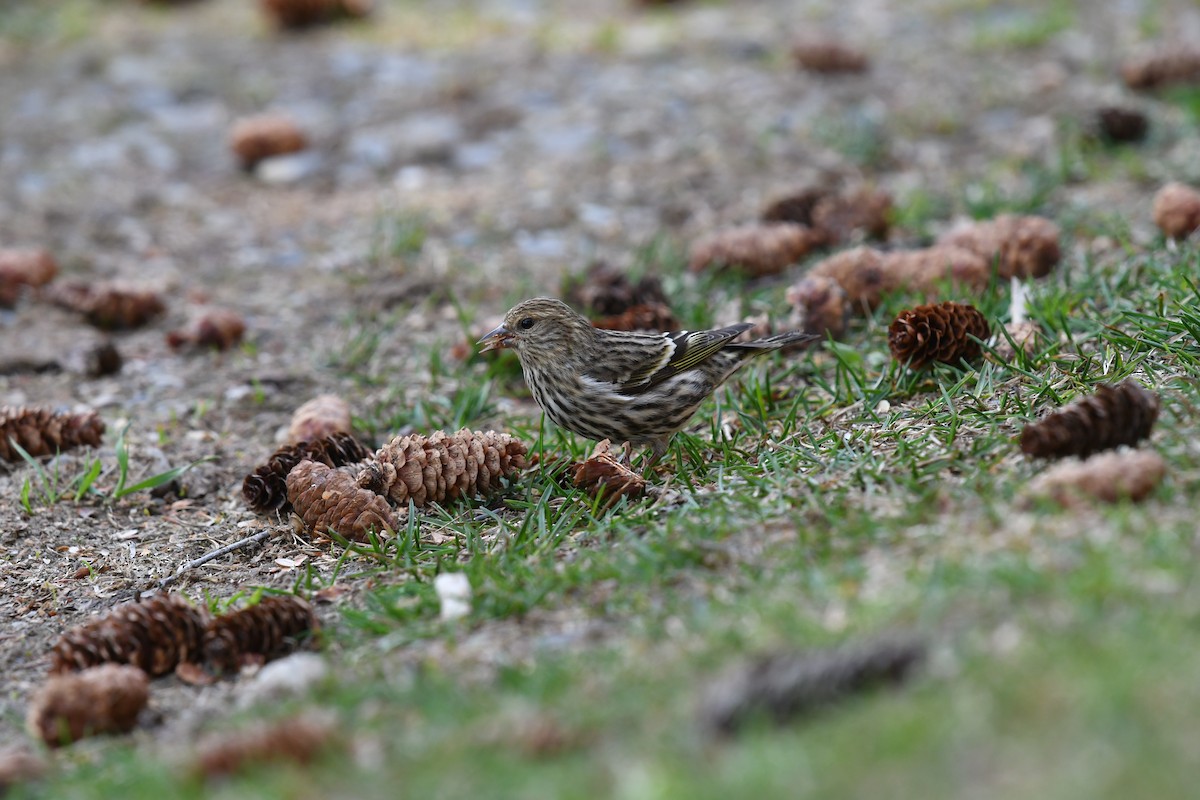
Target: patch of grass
[[1023, 28]]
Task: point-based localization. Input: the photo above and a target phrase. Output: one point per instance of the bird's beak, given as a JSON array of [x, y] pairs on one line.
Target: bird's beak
[[496, 340]]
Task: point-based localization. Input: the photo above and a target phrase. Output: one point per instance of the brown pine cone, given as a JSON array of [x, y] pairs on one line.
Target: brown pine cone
[[796, 207], [942, 332], [867, 275], [1107, 477], [109, 306], [1117, 125], [757, 250], [326, 498], [294, 740], [1177, 210], [104, 699], [1020, 246], [821, 304], [18, 765], [827, 56], [841, 216], [265, 489], [650, 317], [1109, 418], [603, 476], [217, 328], [273, 627], [42, 432], [1162, 66], [306, 13], [265, 135], [155, 635], [20, 267], [606, 291], [322, 416], [443, 467]]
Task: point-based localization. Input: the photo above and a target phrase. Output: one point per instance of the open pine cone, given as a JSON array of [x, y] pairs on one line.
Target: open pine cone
[[757, 250], [20, 267], [827, 56], [649, 317], [265, 489], [108, 305], [1105, 477], [255, 138], [442, 466], [1162, 66], [330, 499], [946, 333], [1111, 417], [42, 432], [866, 275], [155, 635], [216, 328], [607, 291], [1020, 246], [324, 415], [1177, 210], [103, 699], [273, 627], [293, 740]]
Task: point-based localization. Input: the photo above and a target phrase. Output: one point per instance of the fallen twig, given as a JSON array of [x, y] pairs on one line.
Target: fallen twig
[[212, 554]]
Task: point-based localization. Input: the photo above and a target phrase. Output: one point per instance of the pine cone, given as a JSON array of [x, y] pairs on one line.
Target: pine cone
[[796, 207], [1162, 66], [822, 305], [942, 332], [306, 13], [254, 138], [108, 306], [155, 635], [603, 476], [607, 291], [867, 275], [757, 250], [19, 268], [326, 498], [1116, 125], [1021, 247], [218, 328], [1177, 210], [101, 359], [828, 56], [323, 416], [1109, 418], [272, 628], [1023, 336], [785, 686], [104, 699], [840, 217], [443, 467], [1107, 477], [294, 740], [265, 489], [42, 432], [649, 317]]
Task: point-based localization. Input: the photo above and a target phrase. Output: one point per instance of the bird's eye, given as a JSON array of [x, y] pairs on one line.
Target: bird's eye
[[525, 324]]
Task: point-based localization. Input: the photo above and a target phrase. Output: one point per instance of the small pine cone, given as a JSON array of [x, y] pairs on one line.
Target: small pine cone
[[841, 216], [1177, 210], [796, 206], [1109, 418], [294, 740], [19, 765], [866, 274], [326, 498], [155, 635], [1021, 337], [19, 268], [649, 317], [828, 56], [861, 272], [265, 489], [42, 432], [274, 627], [1117, 125], [322, 416], [757, 250], [940, 332], [444, 467], [603, 476], [607, 291], [296, 14], [254, 138], [1162, 66], [101, 359], [103, 699], [219, 328], [108, 306], [786, 686], [822, 305], [1020, 246], [1107, 477]]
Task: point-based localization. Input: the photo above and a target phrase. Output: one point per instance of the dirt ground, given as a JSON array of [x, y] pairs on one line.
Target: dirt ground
[[463, 155]]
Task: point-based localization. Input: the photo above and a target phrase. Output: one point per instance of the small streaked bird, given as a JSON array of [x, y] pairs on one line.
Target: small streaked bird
[[635, 388]]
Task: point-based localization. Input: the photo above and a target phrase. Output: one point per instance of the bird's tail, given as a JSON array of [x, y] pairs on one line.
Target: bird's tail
[[792, 340]]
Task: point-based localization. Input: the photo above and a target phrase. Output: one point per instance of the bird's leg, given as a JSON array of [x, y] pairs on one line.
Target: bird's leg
[[658, 449]]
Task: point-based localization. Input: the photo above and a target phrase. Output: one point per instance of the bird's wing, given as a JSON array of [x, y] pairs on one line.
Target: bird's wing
[[677, 353]]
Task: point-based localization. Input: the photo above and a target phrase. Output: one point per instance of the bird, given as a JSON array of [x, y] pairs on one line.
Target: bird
[[638, 389]]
